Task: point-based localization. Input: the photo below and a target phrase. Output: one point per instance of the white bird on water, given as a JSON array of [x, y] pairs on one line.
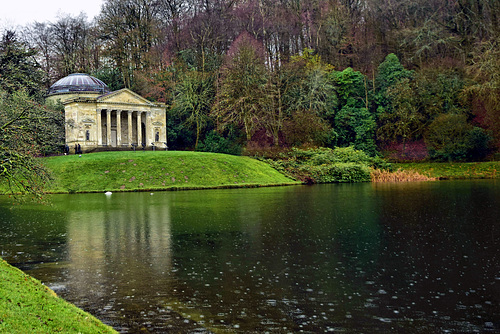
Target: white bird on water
[[107, 193]]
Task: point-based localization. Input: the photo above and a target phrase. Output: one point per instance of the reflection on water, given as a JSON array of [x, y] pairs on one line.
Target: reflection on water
[[419, 257]]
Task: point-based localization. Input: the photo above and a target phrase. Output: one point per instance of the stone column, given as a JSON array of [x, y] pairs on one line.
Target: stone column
[[139, 129], [118, 128], [99, 127], [148, 127], [108, 127], [130, 141]]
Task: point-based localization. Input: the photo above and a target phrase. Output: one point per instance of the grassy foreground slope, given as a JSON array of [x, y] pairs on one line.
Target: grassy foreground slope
[[148, 170], [27, 306]]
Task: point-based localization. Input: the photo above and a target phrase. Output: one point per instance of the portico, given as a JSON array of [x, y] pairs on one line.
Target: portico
[[124, 130], [114, 120]]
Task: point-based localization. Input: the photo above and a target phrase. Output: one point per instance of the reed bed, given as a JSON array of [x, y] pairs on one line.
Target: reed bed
[[378, 175]]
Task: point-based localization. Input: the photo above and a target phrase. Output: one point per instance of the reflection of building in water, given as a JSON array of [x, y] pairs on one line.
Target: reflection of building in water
[[116, 250], [97, 118]]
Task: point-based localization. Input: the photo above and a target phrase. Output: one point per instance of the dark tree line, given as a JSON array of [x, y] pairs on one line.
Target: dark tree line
[[28, 127], [379, 75]]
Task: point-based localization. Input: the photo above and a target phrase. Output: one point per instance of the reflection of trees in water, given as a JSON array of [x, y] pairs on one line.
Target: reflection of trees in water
[[120, 253], [367, 256], [288, 256]]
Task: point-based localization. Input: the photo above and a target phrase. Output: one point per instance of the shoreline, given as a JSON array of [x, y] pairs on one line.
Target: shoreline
[[27, 305]]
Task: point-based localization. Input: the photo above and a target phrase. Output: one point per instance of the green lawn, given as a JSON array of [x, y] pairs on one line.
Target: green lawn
[[27, 306], [129, 171], [455, 170]]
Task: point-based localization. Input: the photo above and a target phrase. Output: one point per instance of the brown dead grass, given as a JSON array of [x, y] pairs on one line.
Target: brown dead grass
[[378, 175]]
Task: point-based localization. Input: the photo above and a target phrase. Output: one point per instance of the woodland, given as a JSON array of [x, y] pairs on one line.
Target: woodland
[[406, 80]]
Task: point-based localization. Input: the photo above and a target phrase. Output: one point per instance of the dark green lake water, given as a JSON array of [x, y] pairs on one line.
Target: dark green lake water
[[355, 258]]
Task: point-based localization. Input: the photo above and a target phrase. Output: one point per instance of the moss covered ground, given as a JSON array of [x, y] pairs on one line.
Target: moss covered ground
[[27, 306], [160, 170]]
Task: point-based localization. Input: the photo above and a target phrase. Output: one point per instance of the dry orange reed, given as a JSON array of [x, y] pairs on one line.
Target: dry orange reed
[[378, 175]]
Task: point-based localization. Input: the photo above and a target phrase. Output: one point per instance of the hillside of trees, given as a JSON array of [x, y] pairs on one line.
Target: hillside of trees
[[411, 80]]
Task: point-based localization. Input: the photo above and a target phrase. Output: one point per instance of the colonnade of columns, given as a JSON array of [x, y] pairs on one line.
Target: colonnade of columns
[[119, 141]]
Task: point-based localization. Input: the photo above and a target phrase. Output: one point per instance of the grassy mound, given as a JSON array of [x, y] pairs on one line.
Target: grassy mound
[[160, 170], [27, 306]]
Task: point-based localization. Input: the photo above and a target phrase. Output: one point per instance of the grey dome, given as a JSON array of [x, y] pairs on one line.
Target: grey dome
[[78, 82]]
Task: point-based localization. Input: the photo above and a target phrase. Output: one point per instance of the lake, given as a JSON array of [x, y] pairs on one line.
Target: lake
[[358, 258]]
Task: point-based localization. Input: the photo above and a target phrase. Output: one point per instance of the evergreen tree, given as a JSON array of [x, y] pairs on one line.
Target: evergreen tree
[[18, 68], [353, 124], [27, 127]]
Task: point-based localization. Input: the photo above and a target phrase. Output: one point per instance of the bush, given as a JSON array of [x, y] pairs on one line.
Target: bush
[[479, 142], [216, 143], [340, 172], [451, 138], [324, 165]]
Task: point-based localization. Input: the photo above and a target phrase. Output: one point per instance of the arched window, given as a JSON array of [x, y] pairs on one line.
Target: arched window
[[87, 135]]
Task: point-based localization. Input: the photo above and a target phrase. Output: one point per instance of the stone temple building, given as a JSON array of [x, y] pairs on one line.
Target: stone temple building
[[98, 119]]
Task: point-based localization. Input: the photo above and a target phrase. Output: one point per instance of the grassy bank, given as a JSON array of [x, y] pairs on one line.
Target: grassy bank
[[455, 170], [27, 306], [160, 170]]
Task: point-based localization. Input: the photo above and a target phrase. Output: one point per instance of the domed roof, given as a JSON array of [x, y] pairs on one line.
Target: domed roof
[[78, 82]]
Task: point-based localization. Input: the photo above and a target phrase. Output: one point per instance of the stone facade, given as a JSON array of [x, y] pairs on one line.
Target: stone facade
[[113, 121]]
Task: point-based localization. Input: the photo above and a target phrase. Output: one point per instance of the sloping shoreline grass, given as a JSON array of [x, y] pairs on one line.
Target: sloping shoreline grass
[[160, 170], [27, 306], [454, 170]]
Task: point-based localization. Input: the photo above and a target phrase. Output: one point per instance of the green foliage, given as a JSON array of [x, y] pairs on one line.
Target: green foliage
[[353, 123], [18, 68], [439, 91], [243, 81], [27, 129], [325, 165], [479, 143], [216, 143], [446, 137], [390, 72], [305, 128], [111, 76], [193, 99], [339, 172], [324, 155], [311, 90], [451, 138], [179, 135], [270, 87], [485, 90], [403, 121]]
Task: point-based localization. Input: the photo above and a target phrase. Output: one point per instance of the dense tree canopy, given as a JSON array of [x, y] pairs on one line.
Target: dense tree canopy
[[28, 128], [364, 73]]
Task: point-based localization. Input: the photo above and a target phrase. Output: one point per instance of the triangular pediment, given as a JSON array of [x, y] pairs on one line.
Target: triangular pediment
[[125, 96]]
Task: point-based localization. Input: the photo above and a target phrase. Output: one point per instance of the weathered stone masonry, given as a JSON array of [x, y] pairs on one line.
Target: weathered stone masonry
[[97, 119]]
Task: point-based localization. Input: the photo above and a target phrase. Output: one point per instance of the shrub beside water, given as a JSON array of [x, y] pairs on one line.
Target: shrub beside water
[[325, 165], [340, 172]]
